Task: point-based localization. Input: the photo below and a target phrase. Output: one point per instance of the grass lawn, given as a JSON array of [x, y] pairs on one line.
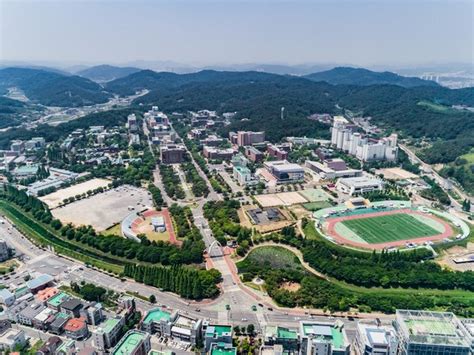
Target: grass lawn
[[389, 228], [271, 257], [436, 107], [114, 230], [314, 206]]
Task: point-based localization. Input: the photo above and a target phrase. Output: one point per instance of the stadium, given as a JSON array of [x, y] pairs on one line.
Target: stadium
[[155, 225], [387, 224]]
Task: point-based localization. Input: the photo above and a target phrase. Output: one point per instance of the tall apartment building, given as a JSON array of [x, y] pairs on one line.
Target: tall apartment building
[[366, 149]]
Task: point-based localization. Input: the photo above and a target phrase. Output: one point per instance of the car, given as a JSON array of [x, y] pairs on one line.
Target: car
[[260, 305], [254, 308], [270, 308], [227, 306], [198, 310]]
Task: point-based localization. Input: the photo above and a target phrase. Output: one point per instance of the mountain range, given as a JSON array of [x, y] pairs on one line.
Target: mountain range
[[104, 73]]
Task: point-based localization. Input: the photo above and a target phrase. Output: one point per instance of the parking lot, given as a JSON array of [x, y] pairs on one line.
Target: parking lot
[[105, 209]]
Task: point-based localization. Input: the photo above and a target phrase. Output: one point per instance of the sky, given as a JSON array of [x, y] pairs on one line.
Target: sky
[[220, 32]]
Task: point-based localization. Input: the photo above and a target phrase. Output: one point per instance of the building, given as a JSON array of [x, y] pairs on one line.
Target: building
[[186, 329], [222, 349], [359, 185], [92, 313], [372, 339], [76, 328], [45, 294], [239, 160], [17, 146], [287, 338], [244, 176], [216, 334], [214, 153], [57, 300], [284, 171], [279, 152], [50, 347], [425, 332], [212, 141], [172, 153], [332, 169], [108, 334], [5, 252], [271, 350], [6, 297], [39, 283], [73, 307], [35, 143], [134, 342], [157, 321], [40, 321], [344, 137], [132, 123], [11, 339], [197, 133], [248, 138], [253, 154], [158, 224], [469, 326], [56, 326], [27, 315], [68, 347], [322, 338]]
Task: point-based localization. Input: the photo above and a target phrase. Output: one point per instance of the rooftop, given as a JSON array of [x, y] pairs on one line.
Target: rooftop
[[156, 315], [130, 341], [222, 349], [39, 281], [432, 327], [58, 299], [325, 332], [110, 324], [75, 324], [218, 330], [71, 304]]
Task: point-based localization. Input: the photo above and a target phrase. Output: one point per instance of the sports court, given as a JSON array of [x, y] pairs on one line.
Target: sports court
[[314, 195]]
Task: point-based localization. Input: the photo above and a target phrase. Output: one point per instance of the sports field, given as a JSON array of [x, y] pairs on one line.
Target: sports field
[[389, 228]]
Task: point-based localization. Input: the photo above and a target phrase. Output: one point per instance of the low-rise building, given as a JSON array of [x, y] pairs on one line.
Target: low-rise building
[[108, 333], [332, 169], [39, 283], [57, 300], [76, 328], [222, 349], [287, 338], [6, 297], [216, 334], [212, 141], [253, 154], [186, 329], [157, 321], [134, 342], [244, 176], [372, 339], [359, 185], [11, 339], [285, 172], [279, 152], [323, 338], [5, 251], [58, 323], [92, 313], [248, 138], [73, 307], [27, 315], [50, 347], [217, 153]]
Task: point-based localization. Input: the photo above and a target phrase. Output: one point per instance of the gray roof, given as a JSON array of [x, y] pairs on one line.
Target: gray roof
[[4, 294], [39, 281], [71, 304], [32, 310]]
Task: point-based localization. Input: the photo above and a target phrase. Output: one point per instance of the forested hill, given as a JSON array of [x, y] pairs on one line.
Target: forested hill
[[104, 73], [148, 79], [365, 77], [51, 88], [419, 111]]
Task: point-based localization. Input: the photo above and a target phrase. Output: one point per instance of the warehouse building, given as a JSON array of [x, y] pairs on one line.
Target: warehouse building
[[359, 185]]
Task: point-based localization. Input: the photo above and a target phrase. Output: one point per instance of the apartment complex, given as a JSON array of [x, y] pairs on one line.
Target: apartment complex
[[344, 137]]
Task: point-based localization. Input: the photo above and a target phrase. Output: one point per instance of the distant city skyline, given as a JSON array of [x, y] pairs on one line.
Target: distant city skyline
[[207, 33]]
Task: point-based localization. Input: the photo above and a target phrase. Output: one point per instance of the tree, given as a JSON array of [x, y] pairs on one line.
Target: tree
[[250, 329], [152, 299]]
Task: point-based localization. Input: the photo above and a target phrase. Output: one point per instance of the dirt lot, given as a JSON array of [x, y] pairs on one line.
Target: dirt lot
[[106, 209], [396, 174], [54, 199], [446, 259], [280, 199], [290, 286]]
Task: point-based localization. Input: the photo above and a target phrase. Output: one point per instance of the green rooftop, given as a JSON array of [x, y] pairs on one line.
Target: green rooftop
[[57, 299], [334, 336], [163, 352], [218, 330], [223, 349], [156, 315], [285, 333], [422, 327], [337, 338], [110, 324], [129, 343]]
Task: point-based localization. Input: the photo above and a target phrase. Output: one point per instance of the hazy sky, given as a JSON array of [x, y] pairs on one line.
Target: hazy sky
[[229, 32]]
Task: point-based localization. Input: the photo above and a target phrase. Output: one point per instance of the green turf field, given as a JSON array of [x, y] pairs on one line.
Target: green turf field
[[389, 228]]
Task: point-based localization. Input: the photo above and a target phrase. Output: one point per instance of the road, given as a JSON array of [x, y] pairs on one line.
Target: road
[[438, 178]]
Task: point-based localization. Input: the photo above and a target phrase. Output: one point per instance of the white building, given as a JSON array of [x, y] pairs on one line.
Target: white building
[[365, 149], [323, 338], [371, 339], [12, 338], [6, 297], [358, 185]]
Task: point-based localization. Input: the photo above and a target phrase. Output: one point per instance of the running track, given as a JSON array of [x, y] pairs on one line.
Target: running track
[[331, 230]]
